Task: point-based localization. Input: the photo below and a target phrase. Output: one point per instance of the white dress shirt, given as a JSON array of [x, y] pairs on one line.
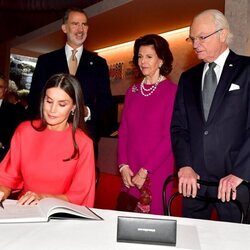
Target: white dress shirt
[[220, 61], [68, 52]]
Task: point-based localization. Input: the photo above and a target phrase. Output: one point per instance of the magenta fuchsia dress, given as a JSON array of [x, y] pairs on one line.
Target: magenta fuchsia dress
[[35, 163], [144, 137]]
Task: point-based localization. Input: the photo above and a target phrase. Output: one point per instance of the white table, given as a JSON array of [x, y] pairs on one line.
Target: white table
[[84, 234]]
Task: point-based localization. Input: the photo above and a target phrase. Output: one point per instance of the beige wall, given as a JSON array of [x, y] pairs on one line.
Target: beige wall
[[238, 15]]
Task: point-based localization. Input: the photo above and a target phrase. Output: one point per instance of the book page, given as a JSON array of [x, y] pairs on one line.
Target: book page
[[52, 206], [13, 212]]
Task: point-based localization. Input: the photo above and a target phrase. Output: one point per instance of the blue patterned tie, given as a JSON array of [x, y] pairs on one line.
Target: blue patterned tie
[[209, 87]]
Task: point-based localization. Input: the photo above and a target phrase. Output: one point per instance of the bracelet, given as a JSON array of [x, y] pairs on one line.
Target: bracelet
[[121, 166]]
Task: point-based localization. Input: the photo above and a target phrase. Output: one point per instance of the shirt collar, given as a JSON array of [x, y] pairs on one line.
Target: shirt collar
[[68, 52], [220, 60]]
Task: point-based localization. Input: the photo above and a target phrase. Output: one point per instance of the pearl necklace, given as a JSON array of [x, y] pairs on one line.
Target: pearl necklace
[[151, 89]]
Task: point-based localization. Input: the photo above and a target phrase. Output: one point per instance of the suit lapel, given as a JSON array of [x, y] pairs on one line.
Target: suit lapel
[[83, 62], [63, 61], [226, 78], [197, 88], [61, 64]]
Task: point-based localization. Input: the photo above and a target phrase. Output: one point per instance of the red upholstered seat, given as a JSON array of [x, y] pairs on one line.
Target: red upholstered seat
[[107, 191]]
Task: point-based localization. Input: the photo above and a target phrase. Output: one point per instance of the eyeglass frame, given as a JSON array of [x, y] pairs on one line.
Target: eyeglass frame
[[201, 39]]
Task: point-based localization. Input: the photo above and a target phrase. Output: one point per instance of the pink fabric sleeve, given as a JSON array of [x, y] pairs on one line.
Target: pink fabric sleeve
[[10, 174], [82, 188]]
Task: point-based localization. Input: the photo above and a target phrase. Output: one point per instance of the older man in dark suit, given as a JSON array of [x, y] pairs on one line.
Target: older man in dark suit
[[90, 69], [211, 121]]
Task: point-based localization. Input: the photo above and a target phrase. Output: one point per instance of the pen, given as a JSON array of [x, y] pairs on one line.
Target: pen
[[1, 205]]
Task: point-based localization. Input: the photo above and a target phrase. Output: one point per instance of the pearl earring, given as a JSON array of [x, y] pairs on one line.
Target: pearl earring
[[72, 112]]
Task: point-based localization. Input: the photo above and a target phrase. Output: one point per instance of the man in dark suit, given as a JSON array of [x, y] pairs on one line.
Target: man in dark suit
[[10, 117], [92, 71], [210, 127]]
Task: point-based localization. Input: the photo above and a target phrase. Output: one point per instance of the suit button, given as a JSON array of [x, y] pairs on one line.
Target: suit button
[[206, 132]]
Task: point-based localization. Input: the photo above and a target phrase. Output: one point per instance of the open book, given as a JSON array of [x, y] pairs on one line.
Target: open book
[[47, 208]]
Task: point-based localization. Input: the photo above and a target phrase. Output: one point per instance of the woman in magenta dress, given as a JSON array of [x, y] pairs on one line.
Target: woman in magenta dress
[[52, 156], [145, 155]]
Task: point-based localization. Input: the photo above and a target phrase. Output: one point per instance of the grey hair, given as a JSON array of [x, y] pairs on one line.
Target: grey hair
[[220, 22]]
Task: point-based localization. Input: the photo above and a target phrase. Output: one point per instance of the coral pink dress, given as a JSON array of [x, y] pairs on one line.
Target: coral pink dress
[[35, 163]]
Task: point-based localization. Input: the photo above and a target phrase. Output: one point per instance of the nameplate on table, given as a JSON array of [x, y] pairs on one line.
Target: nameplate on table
[[146, 230]]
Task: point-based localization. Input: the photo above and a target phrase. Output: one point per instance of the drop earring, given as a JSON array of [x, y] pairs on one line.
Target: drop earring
[[72, 112]]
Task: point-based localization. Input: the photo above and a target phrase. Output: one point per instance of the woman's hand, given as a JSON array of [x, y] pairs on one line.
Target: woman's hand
[[140, 178], [4, 193], [29, 198], [127, 175], [1, 196]]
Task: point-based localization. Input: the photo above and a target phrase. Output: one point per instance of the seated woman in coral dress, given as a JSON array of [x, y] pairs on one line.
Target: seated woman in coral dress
[[52, 156]]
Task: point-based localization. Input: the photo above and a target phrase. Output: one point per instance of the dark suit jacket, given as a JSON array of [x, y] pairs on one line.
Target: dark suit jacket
[[92, 73], [10, 116], [220, 146]]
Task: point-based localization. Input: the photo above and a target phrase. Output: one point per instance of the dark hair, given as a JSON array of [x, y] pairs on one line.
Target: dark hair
[[68, 11], [2, 77], [71, 86], [162, 50]]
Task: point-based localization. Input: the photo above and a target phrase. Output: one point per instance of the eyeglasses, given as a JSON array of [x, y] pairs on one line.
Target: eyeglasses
[[201, 39]]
